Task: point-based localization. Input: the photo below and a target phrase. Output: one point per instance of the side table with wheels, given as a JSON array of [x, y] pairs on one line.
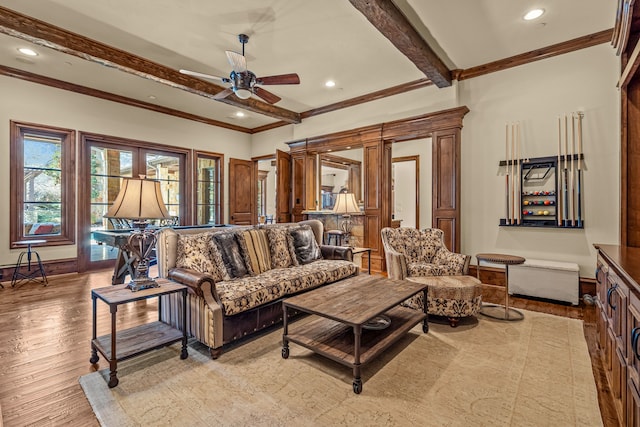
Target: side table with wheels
[[497, 311]]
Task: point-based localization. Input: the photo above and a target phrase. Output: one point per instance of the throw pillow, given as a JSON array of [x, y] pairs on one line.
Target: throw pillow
[[280, 247], [231, 255], [194, 253], [304, 244], [257, 245]]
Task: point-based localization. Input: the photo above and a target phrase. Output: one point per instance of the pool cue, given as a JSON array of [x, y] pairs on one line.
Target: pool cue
[[580, 115], [507, 191], [573, 171], [565, 215], [559, 175], [518, 176], [513, 178]]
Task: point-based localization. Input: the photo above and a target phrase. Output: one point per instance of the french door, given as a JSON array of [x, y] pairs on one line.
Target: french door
[[105, 162]]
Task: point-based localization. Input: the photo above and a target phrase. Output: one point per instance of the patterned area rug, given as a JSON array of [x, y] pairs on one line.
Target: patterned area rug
[[535, 372]]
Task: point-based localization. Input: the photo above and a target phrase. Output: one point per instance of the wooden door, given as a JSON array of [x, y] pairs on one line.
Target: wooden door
[[283, 190], [241, 192]]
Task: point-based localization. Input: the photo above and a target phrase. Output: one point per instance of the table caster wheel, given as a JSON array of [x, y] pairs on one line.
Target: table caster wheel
[[113, 382], [285, 352], [357, 386], [94, 359]]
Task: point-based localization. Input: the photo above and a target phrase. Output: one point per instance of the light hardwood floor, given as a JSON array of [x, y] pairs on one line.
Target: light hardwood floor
[[45, 334]]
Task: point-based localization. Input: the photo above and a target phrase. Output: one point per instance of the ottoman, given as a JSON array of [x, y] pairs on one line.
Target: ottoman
[[449, 296]]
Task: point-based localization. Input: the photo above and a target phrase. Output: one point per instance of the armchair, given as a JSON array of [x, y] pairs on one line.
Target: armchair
[[420, 253], [421, 256]]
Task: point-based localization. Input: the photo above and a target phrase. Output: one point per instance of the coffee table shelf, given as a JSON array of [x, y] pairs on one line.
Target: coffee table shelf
[[335, 340]]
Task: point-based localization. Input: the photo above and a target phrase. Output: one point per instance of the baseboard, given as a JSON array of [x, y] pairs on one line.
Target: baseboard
[[53, 267]]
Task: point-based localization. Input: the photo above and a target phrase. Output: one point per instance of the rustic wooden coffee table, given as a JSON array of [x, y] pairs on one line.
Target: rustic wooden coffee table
[[342, 310]]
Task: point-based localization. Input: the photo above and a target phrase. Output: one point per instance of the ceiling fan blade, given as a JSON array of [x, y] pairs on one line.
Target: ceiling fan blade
[[201, 75], [223, 94], [282, 79], [266, 95], [237, 61]]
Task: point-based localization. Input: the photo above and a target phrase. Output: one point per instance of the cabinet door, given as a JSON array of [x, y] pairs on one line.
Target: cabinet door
[[619, 302], [619, 383], [601, 280], [633, 405], [601, 326], [633, 336]]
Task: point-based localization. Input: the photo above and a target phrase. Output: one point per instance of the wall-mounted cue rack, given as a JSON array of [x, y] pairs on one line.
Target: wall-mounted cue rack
[[540, 199], [545, 191]]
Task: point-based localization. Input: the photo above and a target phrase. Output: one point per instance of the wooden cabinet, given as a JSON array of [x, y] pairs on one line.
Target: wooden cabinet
[[618, 326]]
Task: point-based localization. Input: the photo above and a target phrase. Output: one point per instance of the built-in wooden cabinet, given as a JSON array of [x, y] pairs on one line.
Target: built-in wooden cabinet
[[443, 127], [618, 326]]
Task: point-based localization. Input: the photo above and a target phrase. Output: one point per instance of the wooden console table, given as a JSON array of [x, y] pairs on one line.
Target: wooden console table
[[134, 341]]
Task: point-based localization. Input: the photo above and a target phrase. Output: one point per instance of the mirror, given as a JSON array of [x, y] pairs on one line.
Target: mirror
[[340, 172], [266, 191]]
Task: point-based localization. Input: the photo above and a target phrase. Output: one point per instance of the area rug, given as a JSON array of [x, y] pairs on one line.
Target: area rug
[[535, 372]]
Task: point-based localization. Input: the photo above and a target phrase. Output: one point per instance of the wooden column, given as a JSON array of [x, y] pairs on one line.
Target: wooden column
[[446, 185]]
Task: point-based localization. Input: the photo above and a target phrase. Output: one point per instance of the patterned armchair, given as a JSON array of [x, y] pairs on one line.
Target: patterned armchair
[[420, 253]]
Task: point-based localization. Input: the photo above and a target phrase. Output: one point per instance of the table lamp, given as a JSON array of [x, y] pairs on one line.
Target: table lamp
[[346, 205], [140, 200]]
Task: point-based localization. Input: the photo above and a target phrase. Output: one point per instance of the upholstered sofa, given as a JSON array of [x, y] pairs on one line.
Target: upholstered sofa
[[421, 256], [238, 276]]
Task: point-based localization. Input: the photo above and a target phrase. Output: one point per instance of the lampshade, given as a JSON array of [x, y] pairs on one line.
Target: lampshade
[[138, 199], [346, 204]]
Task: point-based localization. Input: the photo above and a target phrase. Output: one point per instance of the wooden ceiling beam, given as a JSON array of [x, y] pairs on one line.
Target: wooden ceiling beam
[[41, 33], [395, 26]]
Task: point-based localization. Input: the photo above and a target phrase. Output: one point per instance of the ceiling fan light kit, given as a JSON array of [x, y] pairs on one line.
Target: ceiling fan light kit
[[244, 83]]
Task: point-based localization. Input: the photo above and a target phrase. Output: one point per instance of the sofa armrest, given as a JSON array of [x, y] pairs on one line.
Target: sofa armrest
[[193, 279], [336, 252], [396, 265], [451, 263]]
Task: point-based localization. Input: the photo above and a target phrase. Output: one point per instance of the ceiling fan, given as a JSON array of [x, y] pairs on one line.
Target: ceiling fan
[[244, 83]]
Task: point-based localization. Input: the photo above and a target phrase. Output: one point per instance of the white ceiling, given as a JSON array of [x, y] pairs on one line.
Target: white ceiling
[[319, 40]]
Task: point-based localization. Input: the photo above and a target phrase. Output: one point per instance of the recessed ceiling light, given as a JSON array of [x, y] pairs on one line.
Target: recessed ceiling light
[[152, 97], [27, 51], [533, 14], [239, 114], [329, 83]]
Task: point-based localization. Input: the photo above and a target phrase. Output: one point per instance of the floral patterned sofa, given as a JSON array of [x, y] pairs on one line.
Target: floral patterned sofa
[[238, 276], [421, 256]]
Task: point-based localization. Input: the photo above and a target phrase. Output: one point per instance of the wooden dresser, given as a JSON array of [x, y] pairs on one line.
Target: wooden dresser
[[618, 325]]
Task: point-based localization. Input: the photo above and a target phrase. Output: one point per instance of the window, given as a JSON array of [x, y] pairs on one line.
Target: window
[[208, 182], [42, 180], [104, 162]]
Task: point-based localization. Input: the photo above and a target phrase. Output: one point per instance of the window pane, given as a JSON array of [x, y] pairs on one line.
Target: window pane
[[42, 186], [42, 153], [42, 218], [207, 190], [110, 162], [163, 167]]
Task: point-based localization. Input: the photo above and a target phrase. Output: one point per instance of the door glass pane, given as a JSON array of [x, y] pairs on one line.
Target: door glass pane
[[42, 199], [108, 167], [207, 188], [166, 169]]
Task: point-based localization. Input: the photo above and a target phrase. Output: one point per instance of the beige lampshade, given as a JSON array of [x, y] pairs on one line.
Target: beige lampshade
[[138, 199], [346, 204]]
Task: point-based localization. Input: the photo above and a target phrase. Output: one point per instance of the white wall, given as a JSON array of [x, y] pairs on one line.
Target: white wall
[[534, 94], [27, 102], [422, 148]]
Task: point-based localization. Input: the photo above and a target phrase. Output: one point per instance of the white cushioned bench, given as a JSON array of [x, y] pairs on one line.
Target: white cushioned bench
[[554, 280]]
